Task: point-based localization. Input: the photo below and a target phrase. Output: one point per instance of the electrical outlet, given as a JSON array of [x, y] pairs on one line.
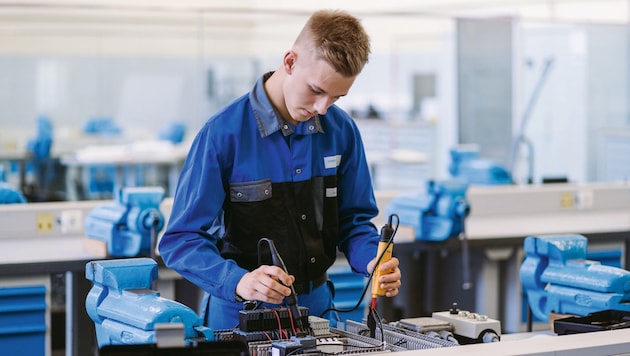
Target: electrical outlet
[[71, 222], [567, 200], [45, 223], [584, 199]]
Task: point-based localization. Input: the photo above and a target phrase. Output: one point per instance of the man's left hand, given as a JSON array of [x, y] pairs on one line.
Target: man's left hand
[[390, 276]]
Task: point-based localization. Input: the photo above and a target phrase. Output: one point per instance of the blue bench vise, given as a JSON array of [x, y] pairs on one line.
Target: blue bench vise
[[468, 165], [126, 311], [558, 278], [129, 225], [436, 214]]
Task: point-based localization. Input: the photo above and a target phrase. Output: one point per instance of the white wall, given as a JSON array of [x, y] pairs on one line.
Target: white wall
[[88, 58]]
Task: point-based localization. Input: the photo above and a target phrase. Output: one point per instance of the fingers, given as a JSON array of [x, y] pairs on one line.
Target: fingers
[[390, 282], [266, 283], [370, 265]]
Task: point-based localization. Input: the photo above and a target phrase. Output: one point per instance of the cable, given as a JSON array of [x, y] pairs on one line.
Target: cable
[[280, 330], [385, 250], [520, 137], [466, 284], [293, 324], [372, 319], [378, 260], [154, 233]]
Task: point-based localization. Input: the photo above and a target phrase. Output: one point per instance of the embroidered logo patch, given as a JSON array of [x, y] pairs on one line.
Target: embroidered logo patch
[[331, 192], [332, 161]]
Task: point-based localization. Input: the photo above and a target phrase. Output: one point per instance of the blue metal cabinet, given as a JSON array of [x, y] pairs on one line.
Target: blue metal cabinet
[[23, 320]]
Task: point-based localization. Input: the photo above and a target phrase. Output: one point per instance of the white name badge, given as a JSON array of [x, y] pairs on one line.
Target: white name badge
[[332, 161]]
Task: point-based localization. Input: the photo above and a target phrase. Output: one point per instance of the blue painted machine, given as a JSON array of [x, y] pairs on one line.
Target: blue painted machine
[[174, 132], [126, 311], [128, 225], [436, 214], [558, 278], [10, 195], [467, 165]]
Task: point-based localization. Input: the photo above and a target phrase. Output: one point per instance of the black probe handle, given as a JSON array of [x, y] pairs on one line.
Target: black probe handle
[[291, 300]]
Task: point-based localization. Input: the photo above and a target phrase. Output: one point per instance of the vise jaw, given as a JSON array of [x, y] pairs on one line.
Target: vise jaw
[[126, 311], [129, 225], [558, 278], [435, 214]]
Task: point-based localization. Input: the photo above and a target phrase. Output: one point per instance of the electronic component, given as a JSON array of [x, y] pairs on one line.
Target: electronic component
[[319, 326], [329, 345], [469, 327], [400, 339], [293, 346], [425, 324], [270, 319]]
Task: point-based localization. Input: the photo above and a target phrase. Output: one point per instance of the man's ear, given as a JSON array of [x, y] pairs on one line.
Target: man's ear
[[289, 61]]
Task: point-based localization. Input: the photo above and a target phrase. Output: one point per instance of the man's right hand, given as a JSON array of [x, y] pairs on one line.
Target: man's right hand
[[267, 284]]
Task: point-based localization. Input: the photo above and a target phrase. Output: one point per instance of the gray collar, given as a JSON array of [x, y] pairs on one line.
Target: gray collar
[[268, 119]]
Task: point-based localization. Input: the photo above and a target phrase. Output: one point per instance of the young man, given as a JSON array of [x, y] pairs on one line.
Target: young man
[[281, 162]]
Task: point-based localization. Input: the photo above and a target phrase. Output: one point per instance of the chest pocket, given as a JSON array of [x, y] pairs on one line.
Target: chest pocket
[[251, 191], [248, 218]]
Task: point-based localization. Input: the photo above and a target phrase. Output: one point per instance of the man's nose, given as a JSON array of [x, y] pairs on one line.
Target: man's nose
[[322, 104]]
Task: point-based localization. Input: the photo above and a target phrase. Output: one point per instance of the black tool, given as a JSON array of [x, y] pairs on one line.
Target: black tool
[[291, 300]]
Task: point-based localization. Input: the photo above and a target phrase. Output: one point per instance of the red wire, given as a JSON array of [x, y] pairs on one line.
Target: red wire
[[292, 325], [280, 324], [373, 302]]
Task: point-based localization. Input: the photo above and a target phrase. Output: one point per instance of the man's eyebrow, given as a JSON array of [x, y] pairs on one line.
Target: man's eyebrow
[[317, 89], [320, 90]]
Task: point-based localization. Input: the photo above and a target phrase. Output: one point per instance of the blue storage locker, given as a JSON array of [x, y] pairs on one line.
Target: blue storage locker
[[23, 320]]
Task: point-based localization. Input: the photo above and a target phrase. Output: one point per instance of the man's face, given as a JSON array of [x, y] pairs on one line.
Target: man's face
[[312, 86]]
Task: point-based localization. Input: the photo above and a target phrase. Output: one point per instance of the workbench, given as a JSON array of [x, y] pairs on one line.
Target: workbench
[[500, 219], [7, 158], [611, 342], [34, 257], [43, 239], [129, 161], [40, 239]]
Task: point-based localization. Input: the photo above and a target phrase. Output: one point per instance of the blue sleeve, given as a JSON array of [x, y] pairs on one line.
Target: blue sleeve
[[189, 243], [357, 206]]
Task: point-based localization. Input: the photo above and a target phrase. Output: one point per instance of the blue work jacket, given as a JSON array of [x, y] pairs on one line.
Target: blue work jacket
[[248, 175]]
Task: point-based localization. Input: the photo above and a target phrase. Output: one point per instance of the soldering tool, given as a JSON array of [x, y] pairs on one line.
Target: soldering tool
[[383, 254], [291, 300]]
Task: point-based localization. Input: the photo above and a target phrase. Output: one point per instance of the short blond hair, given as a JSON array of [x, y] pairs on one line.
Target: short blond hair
[[338, 38]]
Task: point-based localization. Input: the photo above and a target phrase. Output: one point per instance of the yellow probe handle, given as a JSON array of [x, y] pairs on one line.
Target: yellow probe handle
[[387, 255]]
